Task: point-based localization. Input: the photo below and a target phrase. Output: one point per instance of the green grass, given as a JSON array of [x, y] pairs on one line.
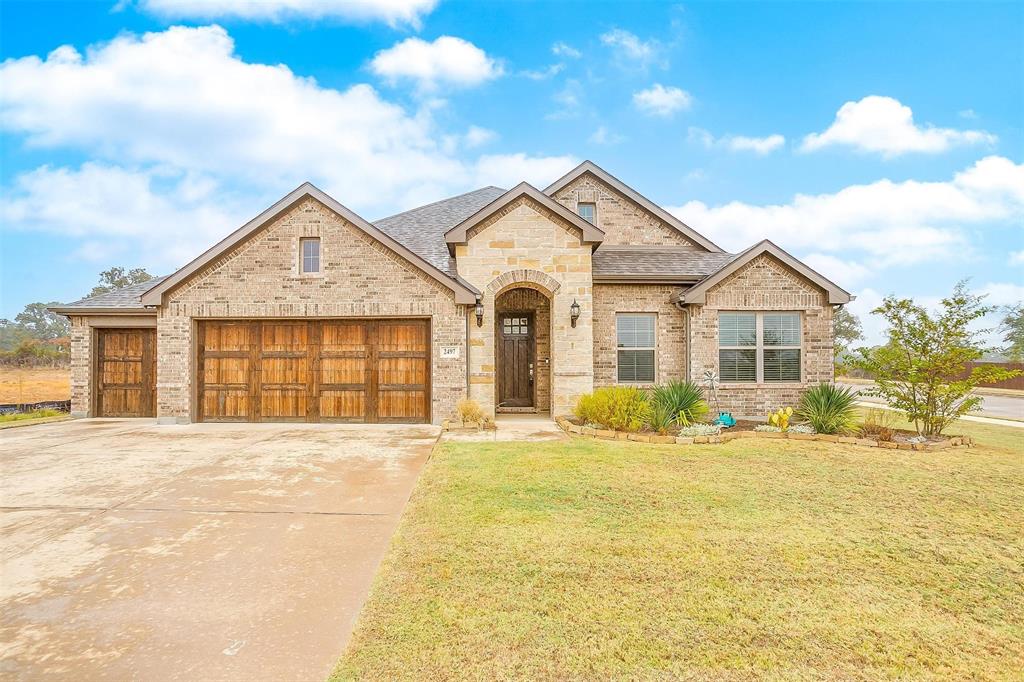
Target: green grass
[[37, 414], [749, 560]]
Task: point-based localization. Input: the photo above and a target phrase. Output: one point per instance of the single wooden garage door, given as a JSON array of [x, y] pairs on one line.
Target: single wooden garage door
[[320, 370], [125, 373]]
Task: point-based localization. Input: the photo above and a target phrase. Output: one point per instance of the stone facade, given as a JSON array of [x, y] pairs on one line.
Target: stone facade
[[623, 222], [764, 284], [260, 278], [670, 329], [522, 300], [525, 244]]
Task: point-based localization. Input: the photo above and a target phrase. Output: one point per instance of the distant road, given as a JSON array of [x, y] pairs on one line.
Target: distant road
[[998, 406]]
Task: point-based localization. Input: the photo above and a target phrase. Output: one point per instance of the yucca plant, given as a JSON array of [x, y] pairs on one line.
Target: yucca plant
[[661, 418], [828, 408], [682, 399]]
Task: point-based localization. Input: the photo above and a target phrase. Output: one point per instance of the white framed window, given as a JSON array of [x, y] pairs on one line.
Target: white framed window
[[635, 347], [309, 255], [587, 211], [759, 347]]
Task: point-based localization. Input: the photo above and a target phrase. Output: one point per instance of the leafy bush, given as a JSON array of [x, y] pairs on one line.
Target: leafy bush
[[828, 408], [700, 430], [617, 407], [684, 400], [661, 418], [469, 411], [878, 424], [781, 418]]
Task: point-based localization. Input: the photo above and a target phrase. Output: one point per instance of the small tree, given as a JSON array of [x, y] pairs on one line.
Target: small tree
[[922, 368], [845, 330], [1012, 328], [117, 277]]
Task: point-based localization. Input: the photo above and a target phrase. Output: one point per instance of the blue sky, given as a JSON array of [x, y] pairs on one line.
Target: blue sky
[[882, 143]]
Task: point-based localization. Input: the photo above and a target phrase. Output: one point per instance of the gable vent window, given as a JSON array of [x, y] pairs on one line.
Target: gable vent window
[[759, 347], [310, 255], [586, 211]]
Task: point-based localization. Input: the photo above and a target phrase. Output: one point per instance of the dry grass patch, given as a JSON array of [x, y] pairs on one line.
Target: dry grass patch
[[749, 560], [33, 385]]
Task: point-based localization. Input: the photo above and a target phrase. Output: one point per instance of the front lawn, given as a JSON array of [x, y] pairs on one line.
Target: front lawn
[[753, 559]]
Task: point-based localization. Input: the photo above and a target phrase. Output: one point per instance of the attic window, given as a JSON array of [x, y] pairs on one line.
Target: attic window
[[586, 211], [309, 250]]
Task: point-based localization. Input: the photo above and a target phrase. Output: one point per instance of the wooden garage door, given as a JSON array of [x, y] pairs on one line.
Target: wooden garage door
[[322, 370], [125, 373]]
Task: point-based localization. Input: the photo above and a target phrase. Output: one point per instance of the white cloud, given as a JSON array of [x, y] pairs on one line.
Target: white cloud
[[629, 50], [1017, 257], [161, 218], [1002, 293], [545, 73], [508, 170], [446, 61], [659, 100], [561, 49], [477, 136], [604, 136], [737, 143], [182, 99], [884, 125], [844, 270], [879, 224], [969, 114], [569, 100], [392, 12]]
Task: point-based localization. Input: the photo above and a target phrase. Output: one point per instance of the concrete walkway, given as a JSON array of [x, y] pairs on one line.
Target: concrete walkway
[[524, 427], [132, 551]]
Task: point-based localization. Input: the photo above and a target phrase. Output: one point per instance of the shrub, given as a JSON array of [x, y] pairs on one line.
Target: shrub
[[700, 430], [767, 428], [469, 411], [828, 408], [661, 418], [878, 424], [684, 400], [617, 407], [781, 418]]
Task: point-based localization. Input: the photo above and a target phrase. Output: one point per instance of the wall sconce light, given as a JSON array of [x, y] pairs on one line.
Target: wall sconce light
[[479, 313], [574, 312]]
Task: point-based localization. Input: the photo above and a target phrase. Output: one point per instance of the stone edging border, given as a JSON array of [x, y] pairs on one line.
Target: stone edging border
[[602, 434]]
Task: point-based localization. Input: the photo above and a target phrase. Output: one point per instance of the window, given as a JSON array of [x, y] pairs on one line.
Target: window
[[309, 250], [515, 326], [635, 341], [586, 211], [759, 347]]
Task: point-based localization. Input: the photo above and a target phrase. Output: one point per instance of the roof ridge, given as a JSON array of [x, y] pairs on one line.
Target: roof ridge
[[435, 203]]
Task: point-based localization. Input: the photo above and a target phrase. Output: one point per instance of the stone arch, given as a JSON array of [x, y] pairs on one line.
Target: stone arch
[[530, 279]]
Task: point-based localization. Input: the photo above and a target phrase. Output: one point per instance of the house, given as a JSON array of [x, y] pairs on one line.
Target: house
[[521, 299]]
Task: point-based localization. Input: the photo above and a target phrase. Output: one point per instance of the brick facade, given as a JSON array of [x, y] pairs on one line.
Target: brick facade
[[81, 367], [764, 284], [623, 222], [670, 329], [360, 278], [525, 244]]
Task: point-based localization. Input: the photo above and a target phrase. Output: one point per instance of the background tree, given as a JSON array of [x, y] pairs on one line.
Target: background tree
[[845, 330], [41, 324], [116, 277], [917, 370], [1012, 328]]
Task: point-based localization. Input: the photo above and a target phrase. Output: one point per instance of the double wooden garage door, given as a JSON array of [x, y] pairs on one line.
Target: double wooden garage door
[[312, 371]]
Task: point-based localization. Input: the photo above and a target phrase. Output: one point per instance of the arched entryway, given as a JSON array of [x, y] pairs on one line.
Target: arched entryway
[[522, 349]]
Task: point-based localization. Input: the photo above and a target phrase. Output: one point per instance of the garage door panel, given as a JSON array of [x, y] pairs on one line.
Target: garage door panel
[[349, 406], [125, 373], [319, 370]]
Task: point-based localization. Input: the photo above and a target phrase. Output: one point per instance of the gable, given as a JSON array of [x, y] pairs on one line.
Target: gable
[[765, 280], [522, 218], [264, 267], [624, 222]]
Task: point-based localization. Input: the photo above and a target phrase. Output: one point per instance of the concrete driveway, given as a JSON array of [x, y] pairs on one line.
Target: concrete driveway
[[133, 551]]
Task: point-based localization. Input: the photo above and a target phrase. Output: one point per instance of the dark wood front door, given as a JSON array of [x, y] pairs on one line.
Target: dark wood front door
[[314, 371], [515, 360], [126, 373]]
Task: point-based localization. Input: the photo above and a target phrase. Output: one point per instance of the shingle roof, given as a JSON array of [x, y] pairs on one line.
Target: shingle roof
[[125, 297], [422, 229], [664, 261]]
